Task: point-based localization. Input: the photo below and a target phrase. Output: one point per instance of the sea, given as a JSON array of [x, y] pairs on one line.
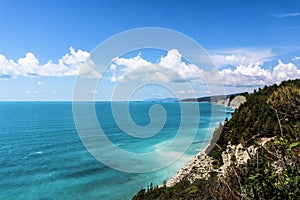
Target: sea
[[42, 155]]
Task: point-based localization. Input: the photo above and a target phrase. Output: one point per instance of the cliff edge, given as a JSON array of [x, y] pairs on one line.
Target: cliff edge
[[233, 101], [230, 100], [257, 155]]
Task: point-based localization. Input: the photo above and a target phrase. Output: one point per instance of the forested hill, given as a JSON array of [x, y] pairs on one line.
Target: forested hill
[[257, 155]]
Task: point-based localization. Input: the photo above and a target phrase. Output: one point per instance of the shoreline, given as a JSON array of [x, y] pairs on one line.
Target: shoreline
[[200, 162]]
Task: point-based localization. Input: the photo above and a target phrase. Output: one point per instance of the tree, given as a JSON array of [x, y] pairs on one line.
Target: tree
[[285, 101]]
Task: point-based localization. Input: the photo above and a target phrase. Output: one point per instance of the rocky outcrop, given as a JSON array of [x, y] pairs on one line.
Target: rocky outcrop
[[223, 102], [237, 101], [233, 102], [235, 155], [198, 168], [201, 165]]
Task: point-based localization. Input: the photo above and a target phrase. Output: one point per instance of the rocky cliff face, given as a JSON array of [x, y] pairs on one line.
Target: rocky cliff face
[[201, 165], [234, 102], [257, 154]]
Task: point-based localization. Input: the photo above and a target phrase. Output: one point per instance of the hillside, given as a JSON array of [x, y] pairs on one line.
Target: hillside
[[231, 100], [256, 157]]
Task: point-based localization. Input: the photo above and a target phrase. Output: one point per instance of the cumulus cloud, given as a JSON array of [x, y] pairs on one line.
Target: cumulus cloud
[[169, 68], [247, 68], [255, 75], [284, 71], [240, 56], [71, 64]]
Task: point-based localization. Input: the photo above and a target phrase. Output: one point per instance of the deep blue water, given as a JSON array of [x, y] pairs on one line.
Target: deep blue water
[[42, 156]]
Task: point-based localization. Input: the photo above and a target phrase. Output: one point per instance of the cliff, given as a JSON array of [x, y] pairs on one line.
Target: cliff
[[201, 164], [257, 155], [231, 100]]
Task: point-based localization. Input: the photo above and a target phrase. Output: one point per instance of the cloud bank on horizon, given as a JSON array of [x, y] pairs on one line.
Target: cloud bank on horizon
[[243, 67], [68, 65]]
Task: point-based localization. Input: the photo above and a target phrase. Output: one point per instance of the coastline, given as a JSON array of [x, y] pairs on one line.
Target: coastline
[[200, 162], [256, 163]]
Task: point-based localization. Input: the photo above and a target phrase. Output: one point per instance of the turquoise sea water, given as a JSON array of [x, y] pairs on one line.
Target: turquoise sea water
[[42, 156]]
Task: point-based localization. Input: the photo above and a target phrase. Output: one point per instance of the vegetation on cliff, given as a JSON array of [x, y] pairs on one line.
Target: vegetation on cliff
[[271, 113]]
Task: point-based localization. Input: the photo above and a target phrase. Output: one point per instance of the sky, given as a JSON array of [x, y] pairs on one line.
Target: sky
[[45, 44]]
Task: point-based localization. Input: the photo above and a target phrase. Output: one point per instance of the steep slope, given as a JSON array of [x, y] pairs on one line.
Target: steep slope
[[231, 100], [256, 157]]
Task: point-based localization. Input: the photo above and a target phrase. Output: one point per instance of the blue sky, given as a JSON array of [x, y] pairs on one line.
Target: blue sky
[[249, 41]]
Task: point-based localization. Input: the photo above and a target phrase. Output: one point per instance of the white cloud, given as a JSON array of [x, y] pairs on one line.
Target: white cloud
[[113, 79], [71, 64], [284, 71], [170, 68], [130, 63], [295, 14], [240, 56], [247, 69], [184, 92], [40, 83], [254, 75], [113, 68], [155, 94], [296, 58]]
